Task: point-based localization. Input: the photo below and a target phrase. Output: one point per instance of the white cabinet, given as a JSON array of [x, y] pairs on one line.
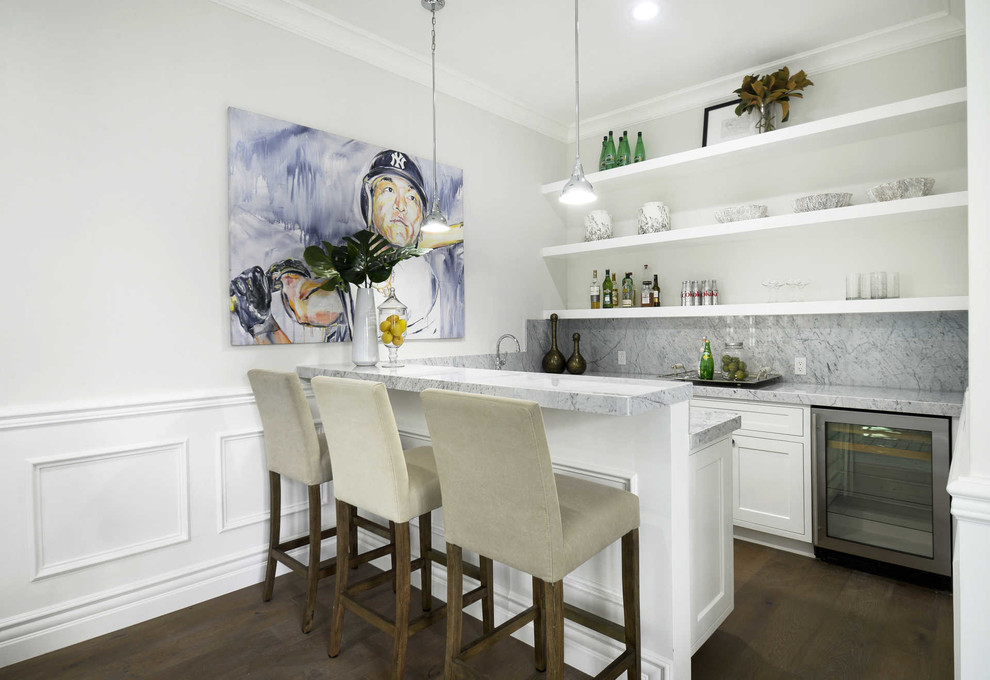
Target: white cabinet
[[712, 585], [771, 467]]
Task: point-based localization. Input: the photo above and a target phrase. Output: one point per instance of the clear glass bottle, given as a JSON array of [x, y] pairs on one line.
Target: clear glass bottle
[[628, 290], [646, 292], [393, 327], [595, 291]]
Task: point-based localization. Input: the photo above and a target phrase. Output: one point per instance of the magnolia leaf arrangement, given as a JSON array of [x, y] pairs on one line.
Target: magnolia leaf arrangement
[[758, 92], [363, 258]]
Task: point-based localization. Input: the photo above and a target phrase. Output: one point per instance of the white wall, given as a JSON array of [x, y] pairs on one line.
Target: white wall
[[115, 191], [132, 476]]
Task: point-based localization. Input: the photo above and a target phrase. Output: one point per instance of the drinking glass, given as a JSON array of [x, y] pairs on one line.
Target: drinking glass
[[893, 284], [864, 286], [852, 287], [878, 285]]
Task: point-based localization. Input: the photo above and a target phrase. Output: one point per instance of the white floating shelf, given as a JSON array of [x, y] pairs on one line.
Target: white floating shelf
[[903, 210], [923, 304], [940, 108]]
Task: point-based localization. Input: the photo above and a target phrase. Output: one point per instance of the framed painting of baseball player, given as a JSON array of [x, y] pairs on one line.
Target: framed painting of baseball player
[[293, 186]]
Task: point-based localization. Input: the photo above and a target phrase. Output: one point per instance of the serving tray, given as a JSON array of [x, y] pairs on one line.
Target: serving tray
[[749, 381]]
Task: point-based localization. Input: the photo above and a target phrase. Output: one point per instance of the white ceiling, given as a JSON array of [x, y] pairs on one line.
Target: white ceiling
[[517, 55]]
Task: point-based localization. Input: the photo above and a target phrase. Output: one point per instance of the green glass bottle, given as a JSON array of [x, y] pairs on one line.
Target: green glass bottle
[[610, 152], [601, 156], [628, 290], [706, 368], [640, 154], [607, 291], [624, 157]]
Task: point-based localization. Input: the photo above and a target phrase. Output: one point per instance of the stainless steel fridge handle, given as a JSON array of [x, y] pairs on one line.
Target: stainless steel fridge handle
[[816, 527]]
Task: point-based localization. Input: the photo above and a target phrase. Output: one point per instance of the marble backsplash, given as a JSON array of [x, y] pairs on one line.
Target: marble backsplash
[[923, 350]]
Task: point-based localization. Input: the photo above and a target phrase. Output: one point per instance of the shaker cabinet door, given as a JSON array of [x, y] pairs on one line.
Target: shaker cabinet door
[[769, 485]]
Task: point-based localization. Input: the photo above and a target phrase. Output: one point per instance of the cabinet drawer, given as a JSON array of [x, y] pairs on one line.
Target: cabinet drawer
[[764, 418]]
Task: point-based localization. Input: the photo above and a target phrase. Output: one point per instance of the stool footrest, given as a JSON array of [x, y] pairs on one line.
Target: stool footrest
[[500, 633], [374, 618], [291, 562], [594, 622], [468, 569], [304, 540], [373, 527], [622, 663], [370, 555]]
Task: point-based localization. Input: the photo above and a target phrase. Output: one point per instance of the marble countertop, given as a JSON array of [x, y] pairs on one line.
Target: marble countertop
[[620, 396], [709, 426], [892, 399]]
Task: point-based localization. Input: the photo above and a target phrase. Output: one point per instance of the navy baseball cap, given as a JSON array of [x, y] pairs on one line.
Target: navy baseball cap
[[392, 162]]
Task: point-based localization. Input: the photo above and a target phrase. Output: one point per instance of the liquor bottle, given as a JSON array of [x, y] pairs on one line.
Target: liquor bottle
[[624, 157], [610, 152], [607, 291], [706, 368], [640, 154], [595, 291], [601, 156], [628, 290], [646, 292], [655, 293], [616, 293]]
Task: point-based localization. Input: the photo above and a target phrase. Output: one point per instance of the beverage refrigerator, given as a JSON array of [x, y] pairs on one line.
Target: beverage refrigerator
[[880, 491]]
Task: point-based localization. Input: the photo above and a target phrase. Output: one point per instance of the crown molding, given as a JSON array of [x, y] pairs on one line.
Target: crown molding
[[308, 22], [898, 38], [296, 16]]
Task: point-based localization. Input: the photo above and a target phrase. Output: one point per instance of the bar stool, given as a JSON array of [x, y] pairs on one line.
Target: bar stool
[[372, 472], [293, 448], [502, 500]]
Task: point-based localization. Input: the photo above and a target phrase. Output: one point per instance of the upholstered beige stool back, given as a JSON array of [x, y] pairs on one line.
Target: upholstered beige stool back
[[498, 488], [292, 445], [368, 461]]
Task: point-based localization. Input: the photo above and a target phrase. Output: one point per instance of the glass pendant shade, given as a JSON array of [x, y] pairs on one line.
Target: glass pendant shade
[[578, 190]]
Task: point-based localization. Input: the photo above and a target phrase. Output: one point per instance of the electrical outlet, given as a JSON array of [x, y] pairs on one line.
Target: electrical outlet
[[622, 358], [800, 366]]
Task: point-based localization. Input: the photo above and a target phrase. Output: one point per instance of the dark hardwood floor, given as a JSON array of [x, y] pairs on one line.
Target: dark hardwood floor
[[794, 618]]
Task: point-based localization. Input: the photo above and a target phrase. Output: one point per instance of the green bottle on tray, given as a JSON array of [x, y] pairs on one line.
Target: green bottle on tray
[[706, 368]]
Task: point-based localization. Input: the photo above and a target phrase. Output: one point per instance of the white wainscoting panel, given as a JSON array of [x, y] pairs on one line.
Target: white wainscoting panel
[[97, 507], [242, 477]]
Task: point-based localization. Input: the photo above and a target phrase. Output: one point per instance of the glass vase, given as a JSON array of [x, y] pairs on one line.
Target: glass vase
[[768, 117]]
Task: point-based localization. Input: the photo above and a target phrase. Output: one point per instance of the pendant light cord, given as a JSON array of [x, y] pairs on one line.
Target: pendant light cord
[[577, 89], [433, 52]]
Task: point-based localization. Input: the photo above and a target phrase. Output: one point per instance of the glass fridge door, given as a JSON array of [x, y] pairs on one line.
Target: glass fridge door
[[878, 487]]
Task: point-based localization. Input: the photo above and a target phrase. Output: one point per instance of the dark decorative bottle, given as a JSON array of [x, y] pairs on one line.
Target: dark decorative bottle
[[553, 361], [576, 364]]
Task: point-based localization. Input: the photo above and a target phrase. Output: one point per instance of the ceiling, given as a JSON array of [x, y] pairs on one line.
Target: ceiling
[[522, 50]]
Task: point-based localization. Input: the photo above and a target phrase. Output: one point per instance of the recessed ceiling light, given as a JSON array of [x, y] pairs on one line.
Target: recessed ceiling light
[[644, 11]]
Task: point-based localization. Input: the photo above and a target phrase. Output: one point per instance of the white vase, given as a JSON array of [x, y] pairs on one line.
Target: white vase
[[364, 350]]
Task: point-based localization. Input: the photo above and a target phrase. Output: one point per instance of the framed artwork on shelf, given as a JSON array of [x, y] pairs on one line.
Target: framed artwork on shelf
[[722, 123]]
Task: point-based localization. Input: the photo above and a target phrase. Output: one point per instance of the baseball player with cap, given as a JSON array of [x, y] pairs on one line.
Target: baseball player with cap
[[393, 202]]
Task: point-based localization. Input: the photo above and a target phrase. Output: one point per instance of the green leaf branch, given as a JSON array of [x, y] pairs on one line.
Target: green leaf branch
[[363, 258]]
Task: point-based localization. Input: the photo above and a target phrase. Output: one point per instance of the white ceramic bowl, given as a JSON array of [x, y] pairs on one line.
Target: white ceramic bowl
[[912, 187], [821, 202], [740, 212]]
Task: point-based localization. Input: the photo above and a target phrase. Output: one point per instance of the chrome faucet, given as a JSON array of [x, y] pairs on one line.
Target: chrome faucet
[[499, 361]]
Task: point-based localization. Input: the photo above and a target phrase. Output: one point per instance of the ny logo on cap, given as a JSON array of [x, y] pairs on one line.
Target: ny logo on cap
[[398, 161]]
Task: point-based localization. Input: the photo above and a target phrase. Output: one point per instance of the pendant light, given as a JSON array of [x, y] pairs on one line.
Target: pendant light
[[436, 221], [578, 189]]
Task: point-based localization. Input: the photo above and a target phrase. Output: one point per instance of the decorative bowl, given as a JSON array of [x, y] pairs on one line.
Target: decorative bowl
[[821, 202], [912, 187], [740, 212]]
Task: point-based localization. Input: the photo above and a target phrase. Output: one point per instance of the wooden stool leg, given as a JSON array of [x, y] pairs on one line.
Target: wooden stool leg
[[340, 586], [313, 569], [630, 600], [274, 527], [455, 608], [401, 558], [539, 626], [488, 602], [391, 539], [354, 538], [426, 573], [554, 617]]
